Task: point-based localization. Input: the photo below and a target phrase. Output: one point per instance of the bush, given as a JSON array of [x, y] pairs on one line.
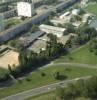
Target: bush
[[43, 74], [59, 76], [4, 78], [28, 79]]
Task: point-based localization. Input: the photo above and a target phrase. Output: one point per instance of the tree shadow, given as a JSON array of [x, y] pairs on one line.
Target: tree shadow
[[6, 84], [61, 77]]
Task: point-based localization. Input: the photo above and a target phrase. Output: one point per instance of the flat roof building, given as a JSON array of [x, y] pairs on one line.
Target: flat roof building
[[65, 14], [59, 32], [26, 41], [25, 9], [58, 21]]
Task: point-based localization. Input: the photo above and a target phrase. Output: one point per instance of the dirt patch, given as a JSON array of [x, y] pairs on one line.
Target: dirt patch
[[9, 57]]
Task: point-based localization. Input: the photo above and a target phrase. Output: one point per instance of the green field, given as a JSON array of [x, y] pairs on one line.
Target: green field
[[83, 55], [92, 8], [36, 79]]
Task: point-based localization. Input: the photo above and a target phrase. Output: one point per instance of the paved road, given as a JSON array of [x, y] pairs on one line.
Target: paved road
[[40, 90]]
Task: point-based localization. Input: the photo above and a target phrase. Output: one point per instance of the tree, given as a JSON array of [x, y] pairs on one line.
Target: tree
[[85, 33], [59, 93], [10, 69], [93, 46], [70, 28], [34, 28], [23, 58], [80, 86], [70, 92], [91, 86], [70, 42]]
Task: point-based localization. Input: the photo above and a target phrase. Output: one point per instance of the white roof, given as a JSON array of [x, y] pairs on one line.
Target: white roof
[[65, 14], [57, 21], [52, 27], [75, 11]]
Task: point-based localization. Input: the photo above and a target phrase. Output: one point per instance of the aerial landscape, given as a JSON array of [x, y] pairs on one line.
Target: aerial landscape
[[48, 49]]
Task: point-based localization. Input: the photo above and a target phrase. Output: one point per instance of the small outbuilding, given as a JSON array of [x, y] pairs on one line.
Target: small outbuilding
[[75, 11]]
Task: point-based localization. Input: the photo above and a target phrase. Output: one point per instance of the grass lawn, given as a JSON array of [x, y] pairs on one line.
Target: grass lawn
[[92, 8], [36, 79], [83, 55]]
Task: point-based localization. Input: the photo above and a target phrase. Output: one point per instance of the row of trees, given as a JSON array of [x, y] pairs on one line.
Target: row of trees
[[85, 33], [48, 2], [82, 88], [93, 46]]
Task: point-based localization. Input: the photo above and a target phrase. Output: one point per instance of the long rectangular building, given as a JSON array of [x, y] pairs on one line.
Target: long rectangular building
[[26, 41], [59, 32]]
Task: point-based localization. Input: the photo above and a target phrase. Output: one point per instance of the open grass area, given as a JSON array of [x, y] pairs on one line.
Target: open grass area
[[83, 55], [92, 8], [36, 79]]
